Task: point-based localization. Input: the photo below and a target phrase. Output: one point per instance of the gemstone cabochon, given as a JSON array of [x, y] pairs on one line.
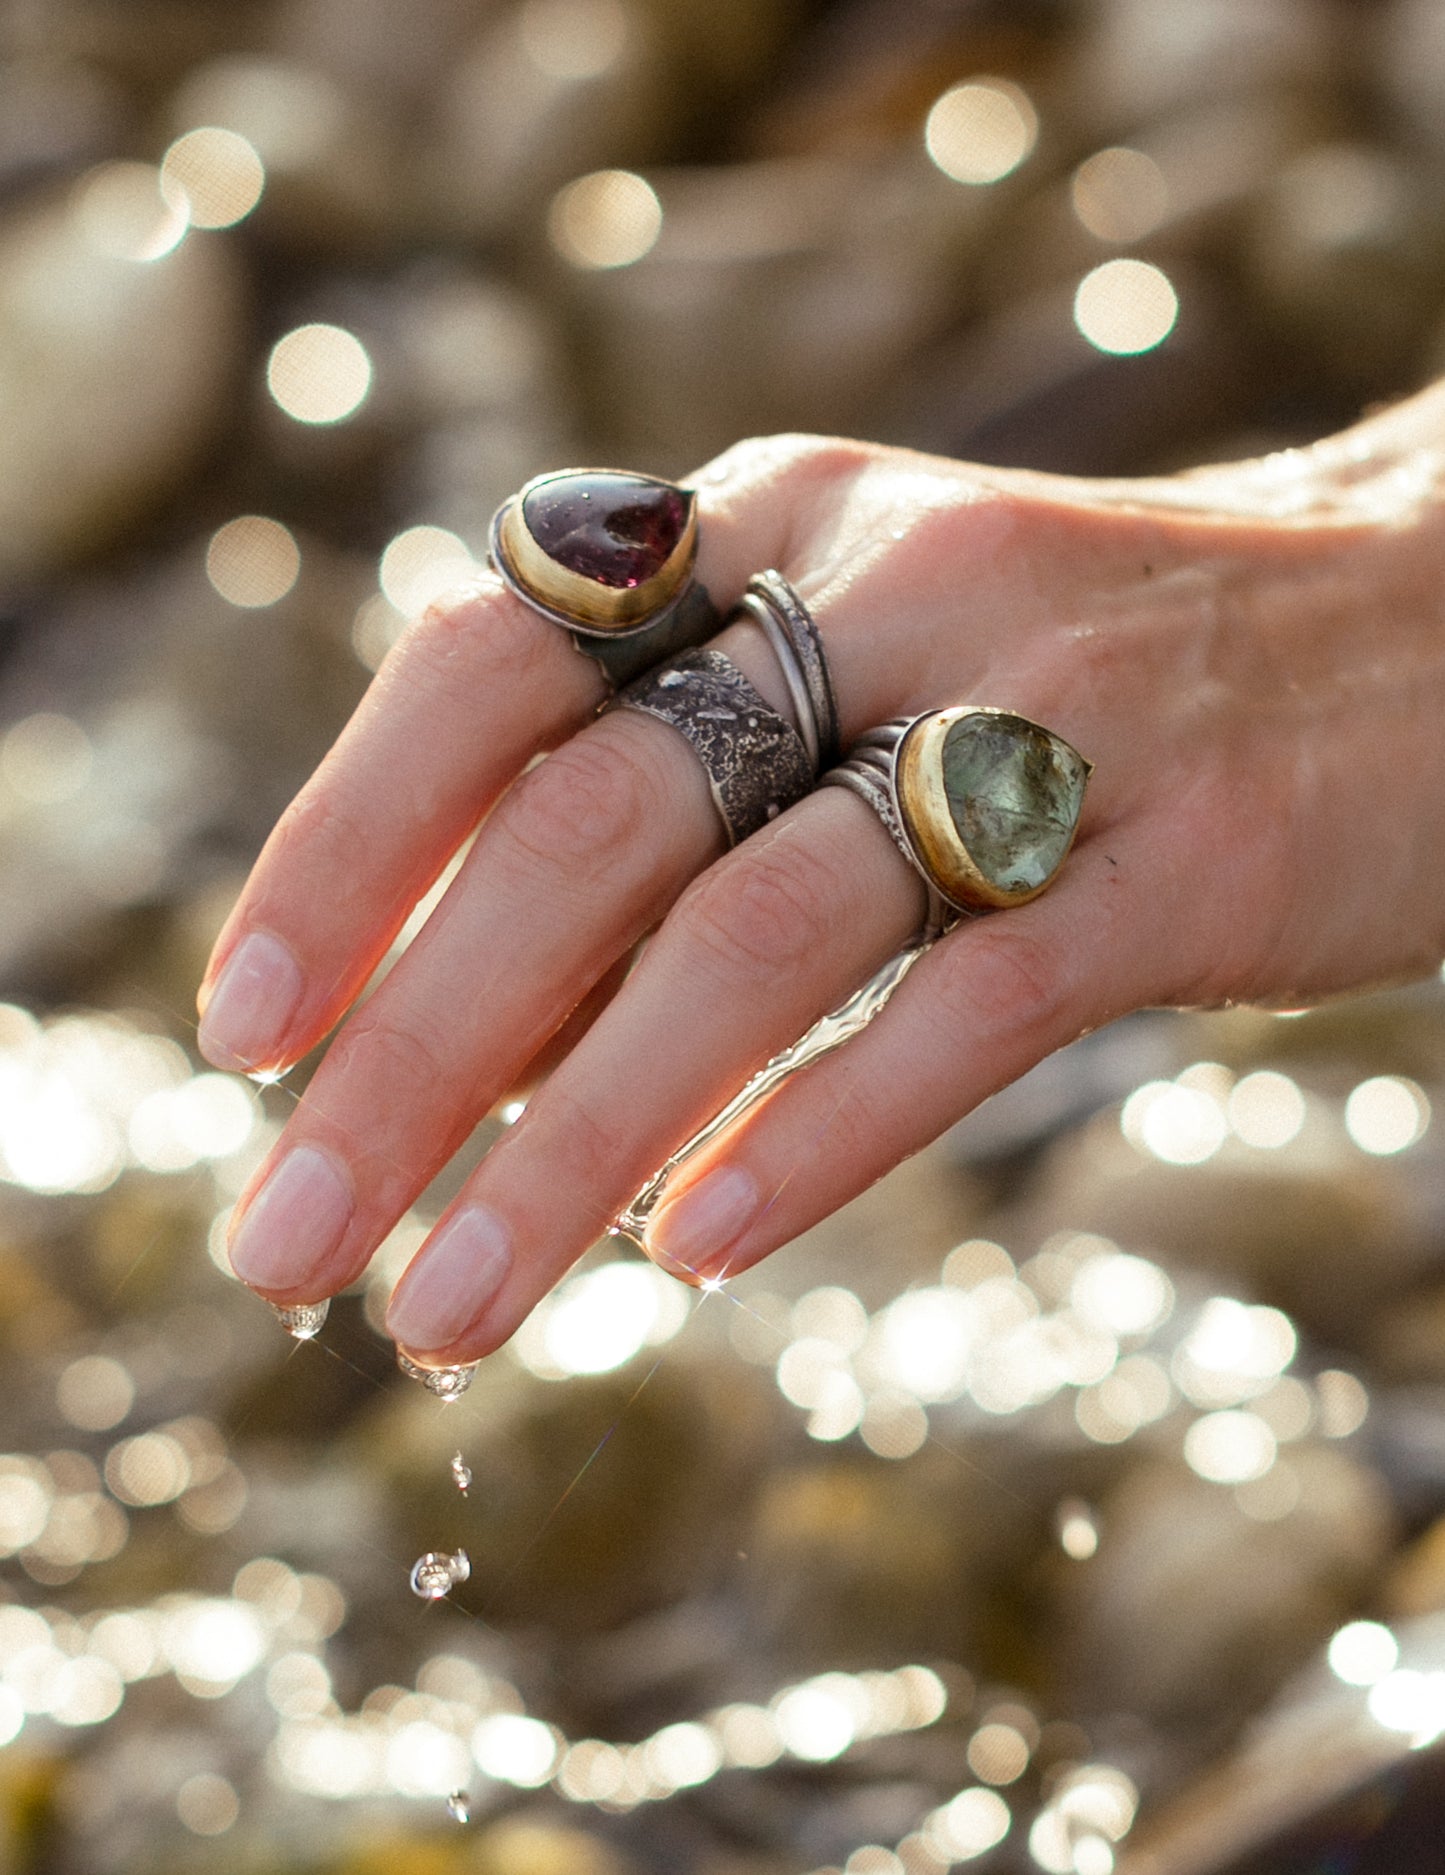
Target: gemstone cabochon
[[617, 529], [1014, 792]]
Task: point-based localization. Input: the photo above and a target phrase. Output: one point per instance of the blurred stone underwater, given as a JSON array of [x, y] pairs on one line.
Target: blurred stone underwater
[[1074, 1502]]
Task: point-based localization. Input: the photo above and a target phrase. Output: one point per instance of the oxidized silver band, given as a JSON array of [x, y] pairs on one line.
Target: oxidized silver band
[[793, 634], [755, 761]]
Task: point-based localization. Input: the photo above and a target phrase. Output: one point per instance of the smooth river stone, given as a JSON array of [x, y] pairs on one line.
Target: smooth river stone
[[616, 529], [1014, 793]]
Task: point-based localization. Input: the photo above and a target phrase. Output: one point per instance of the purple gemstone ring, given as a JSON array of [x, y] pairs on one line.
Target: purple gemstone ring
[[608, 555]]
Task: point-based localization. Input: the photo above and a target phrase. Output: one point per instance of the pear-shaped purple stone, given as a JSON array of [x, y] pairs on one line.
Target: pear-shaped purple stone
[[611, 527]]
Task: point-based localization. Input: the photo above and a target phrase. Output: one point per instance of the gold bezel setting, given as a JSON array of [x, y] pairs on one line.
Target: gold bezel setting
[[575, 599], [923, 807]]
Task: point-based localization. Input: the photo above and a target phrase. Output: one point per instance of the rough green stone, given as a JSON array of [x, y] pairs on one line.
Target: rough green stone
[[1015, 794]]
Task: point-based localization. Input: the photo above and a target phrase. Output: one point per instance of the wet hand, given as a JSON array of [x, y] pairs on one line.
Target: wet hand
[[1251, 657]]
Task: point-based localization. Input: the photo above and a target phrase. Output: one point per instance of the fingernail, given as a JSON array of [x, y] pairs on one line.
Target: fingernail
[[292, 1226], [452, 1281], [694, 1230], [254, 998]]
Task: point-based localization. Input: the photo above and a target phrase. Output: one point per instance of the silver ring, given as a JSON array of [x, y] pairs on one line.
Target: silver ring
[[608, 555], [982, 803], [797, 645], [754, 760]]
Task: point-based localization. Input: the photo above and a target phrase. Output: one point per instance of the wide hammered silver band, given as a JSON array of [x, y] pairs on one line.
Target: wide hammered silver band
[[793, 634], [754, 760]]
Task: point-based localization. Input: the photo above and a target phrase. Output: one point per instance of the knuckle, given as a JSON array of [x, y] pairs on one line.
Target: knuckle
[[486, 637], [583, 806], [561, 1130], [769, 911], [1001, 982], [796, 458], [321, 831], [858, 1135], [409, 1063]]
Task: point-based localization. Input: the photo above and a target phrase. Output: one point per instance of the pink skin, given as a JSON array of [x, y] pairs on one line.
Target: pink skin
[[1252, 657]]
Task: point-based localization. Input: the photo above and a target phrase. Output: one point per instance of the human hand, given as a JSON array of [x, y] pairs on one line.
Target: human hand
[[1251, 656]]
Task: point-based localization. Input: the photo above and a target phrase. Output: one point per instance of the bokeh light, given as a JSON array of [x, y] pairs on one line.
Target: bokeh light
[[1363, 1652], [1265, 1110], [974, 1822], [207, 1804], [122, 212], [515, 1749], [213, 175], [1180, 1124], [1126, 306], [253, 561], [319, 373], [1126, 1295], [1386, 1114], [1077, 1528], [981, 131], [1411, 1702], [94, 1392], [998, 1753], [599, 1320], [1119, 194], [422, 565], [1229, 1447], [1343, 1402], [608, 219]]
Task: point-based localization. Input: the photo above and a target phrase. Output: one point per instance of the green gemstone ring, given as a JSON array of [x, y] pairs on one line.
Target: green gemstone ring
[[983, 803]]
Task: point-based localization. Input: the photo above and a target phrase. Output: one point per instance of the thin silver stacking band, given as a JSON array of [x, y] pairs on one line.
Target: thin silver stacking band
[[793, 634], [756, 763], [869, 773]]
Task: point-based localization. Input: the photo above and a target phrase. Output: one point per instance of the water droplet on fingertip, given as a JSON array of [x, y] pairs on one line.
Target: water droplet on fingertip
[[303, 1320], [447, 1383]]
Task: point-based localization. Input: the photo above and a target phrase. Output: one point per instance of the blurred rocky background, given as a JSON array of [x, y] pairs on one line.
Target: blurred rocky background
[[1075, 1501]]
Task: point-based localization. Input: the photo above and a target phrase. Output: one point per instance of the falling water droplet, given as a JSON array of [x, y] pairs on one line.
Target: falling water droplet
[[437, 1573], [460, 1806], [447, 1383], [303, 1319], [461, 1473]]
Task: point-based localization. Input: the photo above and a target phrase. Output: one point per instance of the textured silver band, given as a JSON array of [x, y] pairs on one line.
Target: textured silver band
[[688, 619], [755, 762], [793, 633], [869, 773]]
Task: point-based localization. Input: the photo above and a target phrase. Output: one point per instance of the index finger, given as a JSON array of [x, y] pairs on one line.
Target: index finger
[[471, 692]]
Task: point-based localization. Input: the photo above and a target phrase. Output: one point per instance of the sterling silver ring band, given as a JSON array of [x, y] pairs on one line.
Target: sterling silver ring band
[[754, 760], [793, 634]]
